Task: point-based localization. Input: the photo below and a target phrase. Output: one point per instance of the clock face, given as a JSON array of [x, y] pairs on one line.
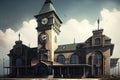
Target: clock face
[[44, 21], [43, 37]]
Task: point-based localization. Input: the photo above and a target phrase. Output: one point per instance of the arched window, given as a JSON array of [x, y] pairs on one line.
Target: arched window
[[98, 58], [19, 62], [74, 59], [97, 41], [98, 63], [90, 60], [61, 59]]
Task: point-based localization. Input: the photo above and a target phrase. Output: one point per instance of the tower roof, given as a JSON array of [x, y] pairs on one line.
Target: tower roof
[[47, 7]]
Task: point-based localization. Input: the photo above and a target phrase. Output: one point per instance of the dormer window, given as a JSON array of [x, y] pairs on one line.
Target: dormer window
[[97, 41]]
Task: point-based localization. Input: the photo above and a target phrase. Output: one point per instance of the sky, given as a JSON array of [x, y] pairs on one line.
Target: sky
[[79, 20]]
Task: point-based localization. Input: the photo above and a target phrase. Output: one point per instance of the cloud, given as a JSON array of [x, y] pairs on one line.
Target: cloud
[[74, 29], [111, 25], [80, 30], [29, 33]]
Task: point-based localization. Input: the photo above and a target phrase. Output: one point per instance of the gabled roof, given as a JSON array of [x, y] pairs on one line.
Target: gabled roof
[[47, 7]]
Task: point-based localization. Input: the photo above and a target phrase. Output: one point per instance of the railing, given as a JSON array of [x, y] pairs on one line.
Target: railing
[[115, 71]]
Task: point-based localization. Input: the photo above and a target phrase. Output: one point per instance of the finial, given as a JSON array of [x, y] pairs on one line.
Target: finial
[[19, 36], [48, 1], [98, 21]]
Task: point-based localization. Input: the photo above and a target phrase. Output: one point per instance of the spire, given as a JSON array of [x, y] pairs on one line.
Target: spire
[[98, 21], [48, 1], [47, 7], [19, 36]]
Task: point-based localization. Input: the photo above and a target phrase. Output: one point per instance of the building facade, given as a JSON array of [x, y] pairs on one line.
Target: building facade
[[48, 59]]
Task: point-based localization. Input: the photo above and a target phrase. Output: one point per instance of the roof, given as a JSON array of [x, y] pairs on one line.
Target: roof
[[47, 7], [63, 48], [36, 62], [67, 47], [88, 40], [70, 65], [107, 38]]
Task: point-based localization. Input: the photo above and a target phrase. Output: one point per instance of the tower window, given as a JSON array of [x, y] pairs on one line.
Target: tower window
[[97, 41]]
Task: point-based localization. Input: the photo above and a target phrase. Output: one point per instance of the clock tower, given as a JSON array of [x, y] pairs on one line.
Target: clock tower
[[48, 31]]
